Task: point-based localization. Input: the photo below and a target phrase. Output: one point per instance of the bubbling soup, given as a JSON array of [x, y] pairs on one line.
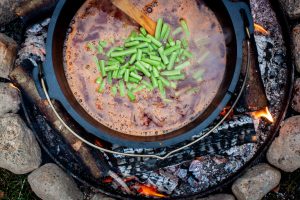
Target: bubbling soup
[[149, 114]]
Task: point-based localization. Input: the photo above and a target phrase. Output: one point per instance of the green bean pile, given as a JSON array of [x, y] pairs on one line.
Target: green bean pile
[[144, 61]]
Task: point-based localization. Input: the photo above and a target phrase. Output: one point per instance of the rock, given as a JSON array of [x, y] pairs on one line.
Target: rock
[[296, 45], [8, 51], [219, 197], [49, 182], [9, 99], [284, 152], [256, 182], [292, 7], [19, 150], [101, 197], [296, 96]]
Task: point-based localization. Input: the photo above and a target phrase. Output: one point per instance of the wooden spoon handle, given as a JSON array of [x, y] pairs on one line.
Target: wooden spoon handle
[[142, 19]]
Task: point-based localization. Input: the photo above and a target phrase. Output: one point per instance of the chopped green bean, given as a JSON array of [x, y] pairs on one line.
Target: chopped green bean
[[121, 72], [139, 54], [155, 72], [185, 27], [136, 76], [143, 39], [142, 69], [115, 74], [187, 54], [164, 81], [147, 84], [163, 56], [198, 75], [154, 81], [173, 85], [154, 41], [140, 88], [130, 44], [171, 41], [112, 68], [126, 75], [132, 59], [109, 77], [152, 57], [164, 30], [176, 77], [102, 86], [146, 65], [170, 73], [102, 68], [132, 68], [131, 86], [142, 45], [151, 62], [114, 90], [131, 96], [100, 49], [161, 89], [183, 65], [122, 88], [123, 53], [99, 80], [178, 43], [133, 80], [112, 62], [171, 49], [172, 61], [184, 43], [158, 28], [143, 31], [167, 33], [103, 44]]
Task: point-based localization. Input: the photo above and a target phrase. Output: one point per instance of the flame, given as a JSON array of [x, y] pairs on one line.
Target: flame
[[263, 113], [149, 191], [261, 29], [108, 180], [98, 143]]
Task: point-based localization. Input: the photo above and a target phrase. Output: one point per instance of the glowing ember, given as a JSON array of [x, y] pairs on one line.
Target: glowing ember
[[149, 191], [108, 180], [263, 113], [98, 143], [260, 29]]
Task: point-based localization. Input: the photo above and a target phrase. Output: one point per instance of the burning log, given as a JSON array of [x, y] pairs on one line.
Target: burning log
[[237, 131], [8, 48], [21, 78]]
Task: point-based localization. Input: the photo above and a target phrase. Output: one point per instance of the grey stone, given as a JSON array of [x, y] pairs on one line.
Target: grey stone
[[292, 7], [296, 46], [19, 150], [284, 152], [219, 197], [9, 99], [101, 197], [49, 182], [296, 96], [8, 51], [256, 182]]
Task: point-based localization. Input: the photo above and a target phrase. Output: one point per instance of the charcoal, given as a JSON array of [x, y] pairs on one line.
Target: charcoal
[[236, 131]]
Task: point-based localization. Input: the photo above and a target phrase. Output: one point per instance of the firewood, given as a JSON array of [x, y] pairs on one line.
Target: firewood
[[8, 51], [26, 83]]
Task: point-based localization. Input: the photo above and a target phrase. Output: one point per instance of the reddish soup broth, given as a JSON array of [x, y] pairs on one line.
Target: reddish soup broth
[[149, 115]]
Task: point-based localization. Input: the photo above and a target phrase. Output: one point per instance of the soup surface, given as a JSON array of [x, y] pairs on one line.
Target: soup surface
[[149, 115]]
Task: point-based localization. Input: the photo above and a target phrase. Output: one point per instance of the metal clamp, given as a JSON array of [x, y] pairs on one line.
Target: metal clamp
[[173, 151]]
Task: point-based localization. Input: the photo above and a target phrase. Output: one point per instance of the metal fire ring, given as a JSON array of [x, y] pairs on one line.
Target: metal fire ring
[[175, 150]]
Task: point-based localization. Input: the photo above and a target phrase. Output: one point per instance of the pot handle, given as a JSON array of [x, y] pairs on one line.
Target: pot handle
[[37, 74]]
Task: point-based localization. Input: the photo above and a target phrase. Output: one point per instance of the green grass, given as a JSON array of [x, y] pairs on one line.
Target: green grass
[[15, 187]]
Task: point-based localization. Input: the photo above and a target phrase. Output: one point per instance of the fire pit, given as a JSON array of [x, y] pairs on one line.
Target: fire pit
[[207, 160]]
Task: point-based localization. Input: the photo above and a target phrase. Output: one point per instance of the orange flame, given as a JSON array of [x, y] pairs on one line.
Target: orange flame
[[149, 191], [261, 29], [108, 180], [263, 113]]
